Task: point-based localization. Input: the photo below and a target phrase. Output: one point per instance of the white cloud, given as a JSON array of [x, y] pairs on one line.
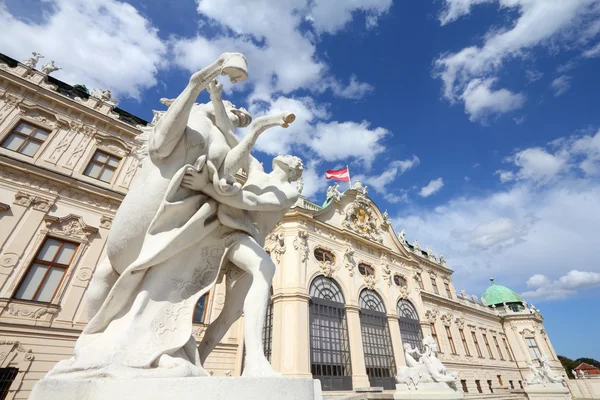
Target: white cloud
[[561, 84], [432, 187], [563, 287], [482, 101], [314, 179], [526, 228], [592, 52], [105, 44], [381, 182], [281, 56], [538, 23]]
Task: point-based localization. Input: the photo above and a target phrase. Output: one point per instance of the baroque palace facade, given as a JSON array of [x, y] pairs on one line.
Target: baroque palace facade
[[347, 296]]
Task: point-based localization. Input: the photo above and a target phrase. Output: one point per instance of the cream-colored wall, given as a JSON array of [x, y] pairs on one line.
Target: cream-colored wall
[[584, 388]]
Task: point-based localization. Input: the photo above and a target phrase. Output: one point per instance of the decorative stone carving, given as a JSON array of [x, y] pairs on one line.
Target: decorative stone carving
[[446, 319], [484, 301], [278, 249], [416, 246], [463, 294], [386, 218], [39, 115], [460, 322], [18, 310], [166, 102], [23, 199], [300, 185], [402, 236], [431, 315], [387, 273], [10, 102], [427, 369], [404, 292], [475, 299], [361, 219], [113, 145], [349, 261], [358, 186], [84, 274], [333, 192], [32, 61], [9, 260], [105, 95], [442, 260], [105, 222], [370, 281], [42, 204], [49, 68], [430, 254], [301, 245], [541, 373], [134, 163], [70, 226], [327, 268]]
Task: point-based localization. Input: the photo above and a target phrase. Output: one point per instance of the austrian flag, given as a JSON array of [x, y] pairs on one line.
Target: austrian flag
[[338, 174]]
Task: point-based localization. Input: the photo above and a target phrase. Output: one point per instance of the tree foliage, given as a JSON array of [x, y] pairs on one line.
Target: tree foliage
[[569, 365]]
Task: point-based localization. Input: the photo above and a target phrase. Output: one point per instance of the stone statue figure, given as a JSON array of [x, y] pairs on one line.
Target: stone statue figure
[[574, 374], [32, 61], [402, 236], [333, 191], [105, 95], [541, 373], [49, 68], [184, 224], [427, 369]]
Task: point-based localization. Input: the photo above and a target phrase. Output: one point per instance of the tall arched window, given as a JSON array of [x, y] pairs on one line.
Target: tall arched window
[[329, 344], [377, 343], [268, 328], [410, 328]]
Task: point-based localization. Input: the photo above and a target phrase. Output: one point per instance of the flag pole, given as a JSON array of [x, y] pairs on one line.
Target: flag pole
[[349, 180]]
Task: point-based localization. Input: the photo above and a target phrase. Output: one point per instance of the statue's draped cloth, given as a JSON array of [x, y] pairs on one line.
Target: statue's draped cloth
[[144, 327]]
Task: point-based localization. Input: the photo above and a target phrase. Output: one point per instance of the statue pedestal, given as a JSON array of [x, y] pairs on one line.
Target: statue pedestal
[[210, 388], [547, 391], [426, 391]]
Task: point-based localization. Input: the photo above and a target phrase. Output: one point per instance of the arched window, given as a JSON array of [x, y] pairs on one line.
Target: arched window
[[200, 310], [324, 255], [366, 269], [399, 281], [410, 328], [377, 343], [329, 344], [268, 328]]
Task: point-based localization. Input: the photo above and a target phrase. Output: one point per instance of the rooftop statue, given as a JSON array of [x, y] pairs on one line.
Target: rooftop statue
[[541, 373], [49, 68], [185, 224], [32, 61]]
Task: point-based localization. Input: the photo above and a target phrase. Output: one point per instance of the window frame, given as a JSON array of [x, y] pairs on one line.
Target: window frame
[[204, 312], [103, 166], [506, 346], [532, 352], [420, 281], [49, 264], [487, 346], [478, 384], [27, 137], [498, 348], [461, 331], [13, 124], [324, 251], [476, 343], [434, 285], [451, 340], [448, 291], [368, 267], [435, 336], [402, 279]]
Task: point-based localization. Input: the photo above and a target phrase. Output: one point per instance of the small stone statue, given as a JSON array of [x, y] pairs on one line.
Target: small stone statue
[[333, 191], [386, 218], [104, 95], [484, 301], [166, 102], [402, 236], [463, 294], [574, 374], [442, 260], [49, 68], [32, 61], [475, 298], [415, 244], [300, 185], [156, 116], [358, 186]]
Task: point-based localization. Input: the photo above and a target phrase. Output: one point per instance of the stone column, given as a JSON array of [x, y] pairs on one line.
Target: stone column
[[291, 339], [357, 355], [396, 340]]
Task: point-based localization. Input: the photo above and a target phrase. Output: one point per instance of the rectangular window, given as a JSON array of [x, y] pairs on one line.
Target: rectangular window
[[487, 346], [498, 348], [510, 357], [474, 335], [435, 336], [434, 284], [521, 384], [102, 166], [451, 341], [478, 384], [200, 310], [448, 291], [512, 384], [533, 348], [463, 383], [7, 377], [25, 139], [500, 380], [490, 386], [464, 342], [420, 281], [47, 270]]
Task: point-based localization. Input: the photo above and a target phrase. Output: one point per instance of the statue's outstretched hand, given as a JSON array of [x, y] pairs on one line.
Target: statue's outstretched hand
[[195, 180], [215, 88]]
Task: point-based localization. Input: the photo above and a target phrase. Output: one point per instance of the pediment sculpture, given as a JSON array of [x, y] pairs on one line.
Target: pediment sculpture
[[541, 373], [362, 219]]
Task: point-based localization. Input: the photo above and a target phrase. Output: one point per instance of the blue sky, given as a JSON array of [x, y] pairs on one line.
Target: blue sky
[[474, 122]]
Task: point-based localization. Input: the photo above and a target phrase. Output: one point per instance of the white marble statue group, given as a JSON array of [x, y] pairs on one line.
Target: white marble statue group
[[541, 373], [185, 224], [424, 367]]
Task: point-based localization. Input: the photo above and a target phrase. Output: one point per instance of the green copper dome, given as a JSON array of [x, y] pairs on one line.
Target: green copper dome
[[498, 295]]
